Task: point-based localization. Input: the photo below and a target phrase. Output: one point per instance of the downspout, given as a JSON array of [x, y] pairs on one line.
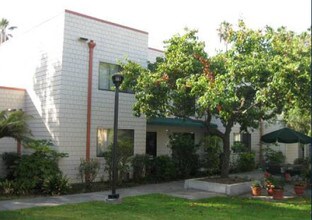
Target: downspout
[[91, 45]]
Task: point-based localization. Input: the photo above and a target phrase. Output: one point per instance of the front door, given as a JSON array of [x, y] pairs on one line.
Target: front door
[[151, 143]]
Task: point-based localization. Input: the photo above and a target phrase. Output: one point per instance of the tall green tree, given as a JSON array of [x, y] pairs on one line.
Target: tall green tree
[[247, 82], [4, 28]]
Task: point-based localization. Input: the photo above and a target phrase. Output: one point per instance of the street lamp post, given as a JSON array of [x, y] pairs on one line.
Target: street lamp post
[[117, 80]]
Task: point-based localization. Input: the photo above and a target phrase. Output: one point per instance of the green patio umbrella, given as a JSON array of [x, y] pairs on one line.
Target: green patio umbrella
[[286, 135]]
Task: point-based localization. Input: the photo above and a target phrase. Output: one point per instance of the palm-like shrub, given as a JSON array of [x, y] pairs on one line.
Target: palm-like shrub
[[14, 124]]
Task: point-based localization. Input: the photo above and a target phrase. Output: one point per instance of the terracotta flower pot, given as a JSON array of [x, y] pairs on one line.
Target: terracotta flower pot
[[278, 194], [270, 191], [256, 191], [299, 190]]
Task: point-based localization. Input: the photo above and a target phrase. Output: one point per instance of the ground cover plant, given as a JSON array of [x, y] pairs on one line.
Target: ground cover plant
[[166, 207]]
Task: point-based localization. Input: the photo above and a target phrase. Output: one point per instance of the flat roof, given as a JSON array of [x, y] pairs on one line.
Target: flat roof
[[104, 21]]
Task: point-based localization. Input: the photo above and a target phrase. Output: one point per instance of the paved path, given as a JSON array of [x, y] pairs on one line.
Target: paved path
[[175, 188]]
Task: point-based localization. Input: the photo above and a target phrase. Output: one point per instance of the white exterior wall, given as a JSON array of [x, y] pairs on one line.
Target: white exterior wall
[[33, 62], [153, 54], [113, 44]]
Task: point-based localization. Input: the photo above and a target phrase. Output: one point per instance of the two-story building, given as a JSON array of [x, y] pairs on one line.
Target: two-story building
[[60, 73]]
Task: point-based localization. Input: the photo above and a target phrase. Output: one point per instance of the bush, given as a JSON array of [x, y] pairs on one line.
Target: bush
[[239, 147], [184, 155], [212, 151], [55, 185], [274, 157], [28, 173], [23, 186], [7, 187], [88, 170], [124, 151], [139, 163], [36, 167], [162, 169], [11, 160], [246, 162], [306, 165]]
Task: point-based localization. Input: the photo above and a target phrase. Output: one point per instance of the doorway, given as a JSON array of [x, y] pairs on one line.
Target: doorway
[[151, 143]]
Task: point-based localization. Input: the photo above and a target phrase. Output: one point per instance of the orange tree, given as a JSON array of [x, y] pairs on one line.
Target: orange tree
[[261, 74]]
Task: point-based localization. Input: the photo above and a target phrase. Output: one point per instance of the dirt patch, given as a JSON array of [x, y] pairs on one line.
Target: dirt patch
[[230, 180]]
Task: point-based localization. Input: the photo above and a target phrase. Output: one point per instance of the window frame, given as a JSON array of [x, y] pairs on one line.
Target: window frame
[[101, 150], [111, 84]]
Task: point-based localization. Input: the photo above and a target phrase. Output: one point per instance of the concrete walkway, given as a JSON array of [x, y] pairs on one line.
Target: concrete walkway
[[175, 188]]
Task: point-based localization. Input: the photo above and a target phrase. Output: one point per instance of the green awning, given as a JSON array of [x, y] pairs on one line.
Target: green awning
[[286, 135], [179, 122]]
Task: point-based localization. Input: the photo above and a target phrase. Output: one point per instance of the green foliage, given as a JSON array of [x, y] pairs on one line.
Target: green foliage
[[36, 167], [88, 171], [261, 74], [306, 165], [239, 147], [256, 183], [30, 171], [7, 187], [299, 119], [277, 183], [246, 161], [140, 163], [184, 154], [212, 151], [14, 124], [163, 169], [124, 151], [10, 159], [23, 186], [272, 156], [55, 185], [16, 187]]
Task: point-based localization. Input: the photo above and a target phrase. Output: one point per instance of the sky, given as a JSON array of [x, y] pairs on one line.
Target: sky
[[164, 18]]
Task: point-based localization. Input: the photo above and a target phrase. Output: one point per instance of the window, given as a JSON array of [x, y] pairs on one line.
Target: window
[[106, 70], [105, 139], [237, 137], [244, 138]]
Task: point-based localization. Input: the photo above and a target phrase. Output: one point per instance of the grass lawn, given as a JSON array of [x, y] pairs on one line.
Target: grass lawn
[[158, 206]]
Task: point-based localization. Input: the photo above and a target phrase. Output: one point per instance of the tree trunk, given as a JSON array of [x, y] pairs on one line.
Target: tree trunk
[[260, 142], [225, 168]]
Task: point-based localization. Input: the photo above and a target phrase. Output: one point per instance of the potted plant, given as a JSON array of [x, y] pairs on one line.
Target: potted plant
[[268, 183], [299, 186], [278, 188], [256, 188]]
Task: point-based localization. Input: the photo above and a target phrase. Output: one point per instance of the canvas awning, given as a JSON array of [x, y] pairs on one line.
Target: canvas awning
[[286, 135], [178, 122]]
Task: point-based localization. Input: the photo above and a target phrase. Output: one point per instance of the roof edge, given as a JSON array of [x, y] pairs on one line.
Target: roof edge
[[161, 51], [104, 21], [12, 88]]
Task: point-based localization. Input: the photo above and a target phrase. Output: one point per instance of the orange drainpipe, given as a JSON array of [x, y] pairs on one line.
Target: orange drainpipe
[[91, 45]]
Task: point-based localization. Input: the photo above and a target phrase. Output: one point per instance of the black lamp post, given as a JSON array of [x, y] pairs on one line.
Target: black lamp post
[[117, 80]]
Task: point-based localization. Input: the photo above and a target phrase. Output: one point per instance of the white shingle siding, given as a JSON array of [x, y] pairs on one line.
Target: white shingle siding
[[113, 44], [153, 54]]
